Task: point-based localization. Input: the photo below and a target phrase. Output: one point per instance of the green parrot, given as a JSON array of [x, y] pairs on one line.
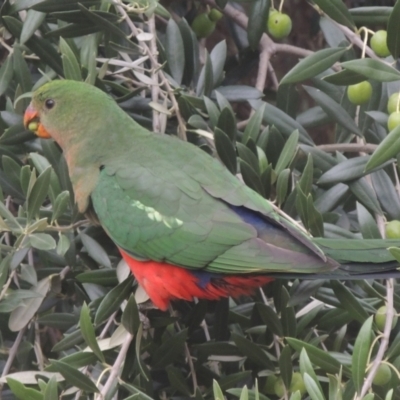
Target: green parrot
[[184, 224]]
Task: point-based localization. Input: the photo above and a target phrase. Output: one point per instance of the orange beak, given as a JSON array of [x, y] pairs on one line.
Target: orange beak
[[32, 122]]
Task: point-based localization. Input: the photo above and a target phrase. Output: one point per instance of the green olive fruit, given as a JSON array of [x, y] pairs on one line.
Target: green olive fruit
[[383, 375], [359, 93], [202, 25], [297, 383], [279, 25], [379, 45], [215, 15], [269, 387], [394, 120], [279, 387], [392, 102], [392, 229], [380, 318]]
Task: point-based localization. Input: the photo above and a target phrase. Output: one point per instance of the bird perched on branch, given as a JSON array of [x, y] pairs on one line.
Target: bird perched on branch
[[183, 223]]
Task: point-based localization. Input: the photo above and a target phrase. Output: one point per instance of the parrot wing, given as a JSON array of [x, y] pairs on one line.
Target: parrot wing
[[173, 203]]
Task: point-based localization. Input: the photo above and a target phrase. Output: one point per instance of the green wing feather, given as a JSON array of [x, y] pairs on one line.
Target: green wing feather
[[177, 209]]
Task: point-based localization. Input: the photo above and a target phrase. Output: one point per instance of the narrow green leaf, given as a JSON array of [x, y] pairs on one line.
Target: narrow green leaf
[[366, 195], [112, 300], [190, 44], [88, 333], [244, 395], [60, 205], [95, 250], [41, 47], [253, 127], [218, 395], [75, 377], [361, 353], [312, 388], [170, 349], [313, 65], [227, 123], [349, 302], [225, 150], [22, 392], [212, 111], [104, 277], [205, 83], [21, 316], [175, 50], [103, 23], [177, 380], [395, 252], [130, 317], [288, 152], [258, 14], [285, 124], [373, 15], [347, 170], [373, 69], [393, 34], [288, 318], [368, 226], [333, 109], [251, 177], [306, 178], [6, 74], [38, 193], [338, 11], [42, 241], [22, 73], [270, 318], [285, 366], [51, 391], [282, 185], [32, 22], [386, 193], [251, 350], [388, 148], [335, 387], [50, 6], [307, 368], [218, 60], [70, 63], [344, 77], [318, 357]]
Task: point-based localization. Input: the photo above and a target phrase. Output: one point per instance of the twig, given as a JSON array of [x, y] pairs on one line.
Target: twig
[[67, 227], [107, 325], [37, 347], [13, 352], [384, 342], [116, 367], [7, 284], [155, 90], [6, 46], [348, 147], [188, 355], [156, 66], [396, 178], [355, 39], [267, 46]]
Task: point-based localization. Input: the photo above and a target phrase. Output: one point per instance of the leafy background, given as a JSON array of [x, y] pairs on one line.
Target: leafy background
[[69, 318]]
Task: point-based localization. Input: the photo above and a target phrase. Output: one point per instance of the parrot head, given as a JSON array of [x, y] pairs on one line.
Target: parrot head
[[51, 108], [67, 111]]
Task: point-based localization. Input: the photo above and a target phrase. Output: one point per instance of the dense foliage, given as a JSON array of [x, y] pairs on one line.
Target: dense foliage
[[278, 112]]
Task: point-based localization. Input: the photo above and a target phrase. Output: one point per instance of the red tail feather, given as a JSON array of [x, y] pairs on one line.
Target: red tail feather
[[164, 282]]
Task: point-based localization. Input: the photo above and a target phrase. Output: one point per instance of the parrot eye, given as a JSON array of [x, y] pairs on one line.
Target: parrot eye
[[49, 103]]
